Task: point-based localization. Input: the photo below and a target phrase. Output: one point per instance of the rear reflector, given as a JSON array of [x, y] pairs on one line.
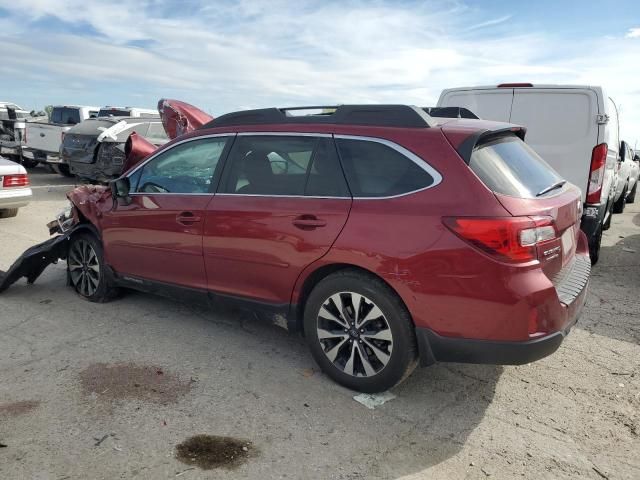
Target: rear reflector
[[596, 174], [19, 180], [514, 85], [509, 239]]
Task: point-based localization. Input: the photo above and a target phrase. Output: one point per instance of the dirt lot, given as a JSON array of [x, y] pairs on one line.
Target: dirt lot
[[118, 390]]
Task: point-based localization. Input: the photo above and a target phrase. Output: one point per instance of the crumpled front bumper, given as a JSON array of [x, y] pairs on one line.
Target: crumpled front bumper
[[34, 260]]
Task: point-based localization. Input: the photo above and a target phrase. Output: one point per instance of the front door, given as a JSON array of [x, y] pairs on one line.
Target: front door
[[158, 236], [281, 204]]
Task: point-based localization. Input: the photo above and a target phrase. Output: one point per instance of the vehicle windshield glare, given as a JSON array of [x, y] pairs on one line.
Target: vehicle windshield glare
[[509, 166]]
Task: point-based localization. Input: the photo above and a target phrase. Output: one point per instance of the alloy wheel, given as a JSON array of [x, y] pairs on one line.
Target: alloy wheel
[[354, 334], [84, 267]]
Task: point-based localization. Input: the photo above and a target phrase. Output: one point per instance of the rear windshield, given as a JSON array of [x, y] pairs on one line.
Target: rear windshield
[[66, 115], [113, 112], [509, 166]]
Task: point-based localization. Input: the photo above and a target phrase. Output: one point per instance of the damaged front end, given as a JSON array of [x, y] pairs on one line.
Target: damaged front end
[[86, 206]]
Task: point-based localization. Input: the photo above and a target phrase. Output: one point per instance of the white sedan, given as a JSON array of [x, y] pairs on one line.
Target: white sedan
[[14, 188]]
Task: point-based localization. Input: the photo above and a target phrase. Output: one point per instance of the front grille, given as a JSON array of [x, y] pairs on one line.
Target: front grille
[[572, 279]]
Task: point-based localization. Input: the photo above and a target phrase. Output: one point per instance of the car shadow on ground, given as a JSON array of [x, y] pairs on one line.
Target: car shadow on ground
[[613, 291]]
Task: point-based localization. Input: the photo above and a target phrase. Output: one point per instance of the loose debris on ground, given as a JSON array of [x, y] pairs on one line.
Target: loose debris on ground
[[208, 451]]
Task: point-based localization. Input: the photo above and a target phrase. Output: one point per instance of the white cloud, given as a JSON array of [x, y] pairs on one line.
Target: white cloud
[[633, 33], [238, 54]]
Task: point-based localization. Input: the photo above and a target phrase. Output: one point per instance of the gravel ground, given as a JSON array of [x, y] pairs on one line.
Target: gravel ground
[[109, 391]]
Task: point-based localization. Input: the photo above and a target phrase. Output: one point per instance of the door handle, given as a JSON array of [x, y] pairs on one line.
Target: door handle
[[187, 218], [308, 222]]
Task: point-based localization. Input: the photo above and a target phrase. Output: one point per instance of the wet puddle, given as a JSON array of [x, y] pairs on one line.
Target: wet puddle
[[208, 452], [18, 408], [122, 381]]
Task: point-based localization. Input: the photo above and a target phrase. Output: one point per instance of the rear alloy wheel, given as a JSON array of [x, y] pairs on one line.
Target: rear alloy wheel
[[86, 269], [359, 332]]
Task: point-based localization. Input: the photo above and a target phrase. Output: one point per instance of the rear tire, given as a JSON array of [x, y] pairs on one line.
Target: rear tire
[[618, 207], [359, 332], [8, 212], [87, 270], [63, 170], [29, 163], [632, 196], [594, 246]]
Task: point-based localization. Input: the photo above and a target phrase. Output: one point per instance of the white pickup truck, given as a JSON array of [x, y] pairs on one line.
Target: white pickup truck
[[44, 138]]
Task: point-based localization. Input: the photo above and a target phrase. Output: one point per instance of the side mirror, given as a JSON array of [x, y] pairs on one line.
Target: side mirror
[[120, 189]]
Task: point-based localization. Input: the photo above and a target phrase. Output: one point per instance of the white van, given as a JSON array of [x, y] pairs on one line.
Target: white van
[[574, 128]]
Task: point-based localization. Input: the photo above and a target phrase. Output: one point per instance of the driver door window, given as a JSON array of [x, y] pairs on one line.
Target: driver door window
[[185, 168]]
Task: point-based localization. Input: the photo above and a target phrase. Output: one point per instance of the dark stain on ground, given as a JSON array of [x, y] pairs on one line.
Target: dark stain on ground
[[208, 452], [123, 381], [18, 408]]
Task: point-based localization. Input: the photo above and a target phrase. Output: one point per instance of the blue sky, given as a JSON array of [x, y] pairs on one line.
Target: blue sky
[[227, 55]]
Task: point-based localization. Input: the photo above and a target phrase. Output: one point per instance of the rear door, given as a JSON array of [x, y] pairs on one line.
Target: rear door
[[489, 104], [158, 236], [281, 204], [561, 127]]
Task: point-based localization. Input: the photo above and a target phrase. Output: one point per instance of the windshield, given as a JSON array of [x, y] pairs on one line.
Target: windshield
[[509, 166]]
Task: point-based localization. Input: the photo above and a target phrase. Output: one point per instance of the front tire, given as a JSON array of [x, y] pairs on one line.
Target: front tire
[[359, 332], [8, 212], [87, 270], [63, 169], [632, 196], [618, 207]]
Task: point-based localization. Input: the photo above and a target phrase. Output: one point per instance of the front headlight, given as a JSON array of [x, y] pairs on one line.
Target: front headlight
[[65, 218]]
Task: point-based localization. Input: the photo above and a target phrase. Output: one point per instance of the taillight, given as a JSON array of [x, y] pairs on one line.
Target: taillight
[[509, 239], [596, 174], [19, 180]]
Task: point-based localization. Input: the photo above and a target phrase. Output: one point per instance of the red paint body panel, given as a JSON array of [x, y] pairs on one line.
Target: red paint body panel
[[147, 239], [249, 246], [253, 249]]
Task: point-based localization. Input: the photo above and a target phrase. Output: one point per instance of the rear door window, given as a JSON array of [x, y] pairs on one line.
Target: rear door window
[[374, 169], [509, 166], [276, 165], [67, 116]]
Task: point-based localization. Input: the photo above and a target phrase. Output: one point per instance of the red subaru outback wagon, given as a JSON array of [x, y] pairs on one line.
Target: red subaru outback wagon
[[387, 236]]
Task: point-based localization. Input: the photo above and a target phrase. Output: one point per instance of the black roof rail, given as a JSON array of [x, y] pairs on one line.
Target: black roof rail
[[405, 116], [450, 112]]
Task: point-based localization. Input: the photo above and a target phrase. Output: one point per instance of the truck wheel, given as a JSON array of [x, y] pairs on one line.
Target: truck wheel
[[8, 212], [29, 163], [87, 270], [359, 332], [632, 196], [63, 170], [594, 246], [618, 207]]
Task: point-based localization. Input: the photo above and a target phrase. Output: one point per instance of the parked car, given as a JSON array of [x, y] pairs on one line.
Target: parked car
[[574, 128], [126, 112], [7, 107], [14, 188], [13, 124], [350, 226], [94, 149], [44, 138], [635, 174], [627, 178]]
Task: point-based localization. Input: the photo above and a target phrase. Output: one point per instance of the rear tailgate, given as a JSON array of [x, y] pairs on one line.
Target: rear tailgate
[[528, 187]]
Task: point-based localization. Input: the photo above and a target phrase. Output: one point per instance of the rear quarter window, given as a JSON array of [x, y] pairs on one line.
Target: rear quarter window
[[509, 166], [374, 169]]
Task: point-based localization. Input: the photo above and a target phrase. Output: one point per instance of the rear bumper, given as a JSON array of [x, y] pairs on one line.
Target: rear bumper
[[41, 155], [572, 293], [14, 197]]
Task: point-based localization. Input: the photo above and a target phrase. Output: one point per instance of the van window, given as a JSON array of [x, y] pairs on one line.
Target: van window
[[509, 166], [377, 170]]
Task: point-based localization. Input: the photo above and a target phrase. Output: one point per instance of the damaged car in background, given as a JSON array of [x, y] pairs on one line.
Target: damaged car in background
[[94, 149], [346, 224]]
